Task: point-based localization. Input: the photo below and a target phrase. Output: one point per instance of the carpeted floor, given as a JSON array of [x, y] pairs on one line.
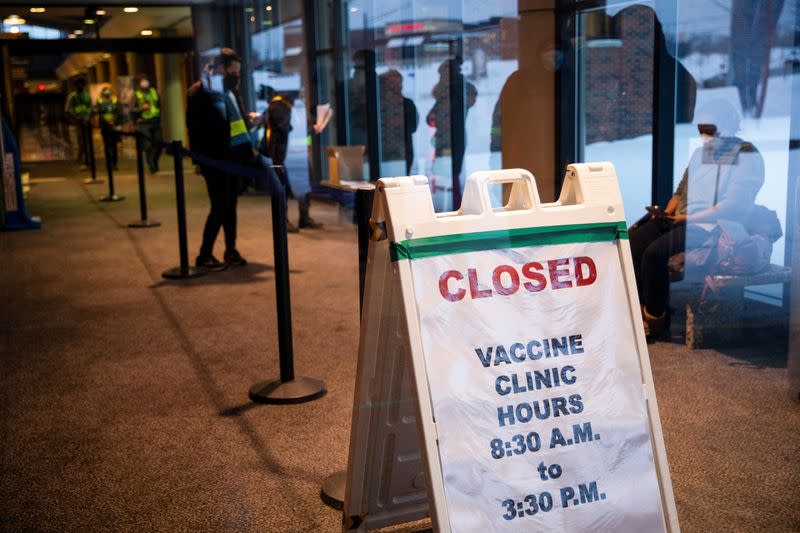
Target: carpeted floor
[[124, 397]]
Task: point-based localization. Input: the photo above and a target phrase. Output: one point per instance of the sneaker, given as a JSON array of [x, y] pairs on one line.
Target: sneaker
[[309, 223], [291, 228], [210, 263], [234, 258]]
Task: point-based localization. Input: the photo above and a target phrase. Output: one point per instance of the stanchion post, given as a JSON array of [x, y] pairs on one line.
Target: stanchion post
[[89, 144], [143, 222], [184, 270], [288, 388], [364, 197], [334, 486], [112, 196]]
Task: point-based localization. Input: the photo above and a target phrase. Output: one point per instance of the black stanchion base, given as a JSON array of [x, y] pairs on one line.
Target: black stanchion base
[[175, 273], [113, 198], [144, 224], [89, 181], [298, 390], [333, 487]]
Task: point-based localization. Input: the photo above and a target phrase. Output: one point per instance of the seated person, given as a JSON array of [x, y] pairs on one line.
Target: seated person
[[721, 181]]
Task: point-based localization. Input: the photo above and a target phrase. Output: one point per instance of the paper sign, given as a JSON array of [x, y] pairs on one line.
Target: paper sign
[[536, 389]]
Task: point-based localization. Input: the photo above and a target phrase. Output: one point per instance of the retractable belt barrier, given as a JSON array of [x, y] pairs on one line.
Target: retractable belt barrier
[[184, 270], [288, 388], [503, 378], [144, 221]]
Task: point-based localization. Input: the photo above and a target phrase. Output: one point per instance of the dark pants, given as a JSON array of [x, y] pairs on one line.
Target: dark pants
[[304, 200], [151, 142], [223, 191], [652, 244], [110, 140], [83, 135]]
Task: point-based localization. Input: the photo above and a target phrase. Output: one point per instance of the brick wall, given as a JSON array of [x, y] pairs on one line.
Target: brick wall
[[618, 90]]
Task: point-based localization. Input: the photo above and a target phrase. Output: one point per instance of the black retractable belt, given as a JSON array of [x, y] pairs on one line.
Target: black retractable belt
[[143, 221], [112, 196], [86, 131], [288, 388], [184, 270]]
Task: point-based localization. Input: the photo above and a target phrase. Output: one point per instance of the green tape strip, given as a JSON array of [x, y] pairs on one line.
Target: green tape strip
[[512, 238]]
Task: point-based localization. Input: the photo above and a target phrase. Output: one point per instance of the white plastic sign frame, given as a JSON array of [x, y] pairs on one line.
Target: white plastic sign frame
[[590, 197]]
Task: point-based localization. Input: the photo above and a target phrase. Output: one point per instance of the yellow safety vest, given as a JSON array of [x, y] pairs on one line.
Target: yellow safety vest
[[107, 109], [81, 104], [148, 97]]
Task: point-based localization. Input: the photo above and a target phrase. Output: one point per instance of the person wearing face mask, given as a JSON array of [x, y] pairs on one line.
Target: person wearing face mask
[[107, 109], [216, 122], [147, 109], [720, 182]]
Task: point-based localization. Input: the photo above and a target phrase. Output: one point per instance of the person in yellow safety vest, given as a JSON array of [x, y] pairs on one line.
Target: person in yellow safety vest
[[107, 109], [79, 111], [147, 109]]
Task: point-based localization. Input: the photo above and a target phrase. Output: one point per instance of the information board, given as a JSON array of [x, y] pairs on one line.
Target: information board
[[538, 400], [528, 360]]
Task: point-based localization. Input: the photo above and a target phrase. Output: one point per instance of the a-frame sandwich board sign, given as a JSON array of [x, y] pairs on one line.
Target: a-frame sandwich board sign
[[535, 405], [385, 483]]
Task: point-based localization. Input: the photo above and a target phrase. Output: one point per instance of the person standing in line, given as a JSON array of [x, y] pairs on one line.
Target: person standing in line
[[277, 125], [78, 109], [399, 121], [147, 110], [215, 119], [451, 81], [107, 109]]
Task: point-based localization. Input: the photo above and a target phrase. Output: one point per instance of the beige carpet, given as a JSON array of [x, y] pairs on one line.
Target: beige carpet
[[124, 397]]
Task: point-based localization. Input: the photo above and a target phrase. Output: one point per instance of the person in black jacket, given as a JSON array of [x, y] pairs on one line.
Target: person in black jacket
[[216, 121], [399, 120]]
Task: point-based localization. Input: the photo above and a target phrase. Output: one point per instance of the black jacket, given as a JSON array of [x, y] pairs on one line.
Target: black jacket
[[208, 126]]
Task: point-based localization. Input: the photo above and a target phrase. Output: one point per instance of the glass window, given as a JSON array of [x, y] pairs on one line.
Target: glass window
[[744, 62], [278, 62], [615, 96]]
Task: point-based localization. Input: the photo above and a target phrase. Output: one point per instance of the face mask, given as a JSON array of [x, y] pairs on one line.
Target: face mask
[[231, 82]]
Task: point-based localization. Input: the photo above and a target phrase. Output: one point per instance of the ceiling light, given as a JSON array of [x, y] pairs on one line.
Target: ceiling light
[[37, 10], [353, 10], [100, 12], [88, 21], [130, 9], [78, 32], [147, 32], [269, 8], [14, 29], [71, 36], [13, 19], [106, 56]]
